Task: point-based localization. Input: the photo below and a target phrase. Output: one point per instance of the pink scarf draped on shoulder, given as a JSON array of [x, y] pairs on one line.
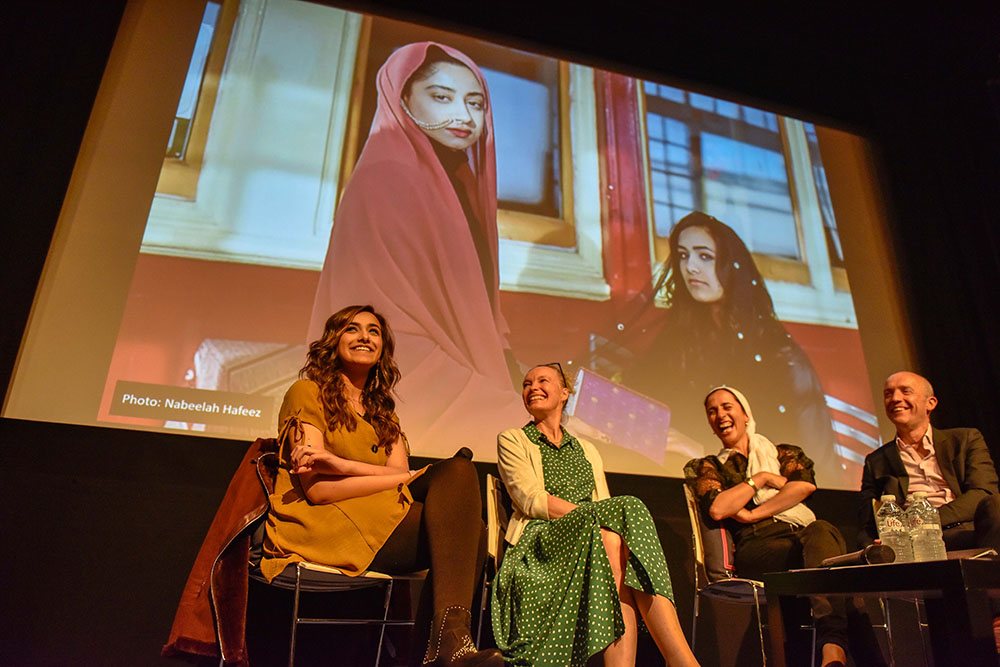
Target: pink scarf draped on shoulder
[[402, 243]]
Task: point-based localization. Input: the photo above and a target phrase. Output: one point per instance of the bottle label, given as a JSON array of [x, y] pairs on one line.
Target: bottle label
[[893, 523]]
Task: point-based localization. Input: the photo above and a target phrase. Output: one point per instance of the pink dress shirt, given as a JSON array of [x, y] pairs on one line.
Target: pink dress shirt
[[925, 473]]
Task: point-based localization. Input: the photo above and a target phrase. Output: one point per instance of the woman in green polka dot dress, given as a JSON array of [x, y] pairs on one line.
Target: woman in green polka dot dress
[[582, 566]]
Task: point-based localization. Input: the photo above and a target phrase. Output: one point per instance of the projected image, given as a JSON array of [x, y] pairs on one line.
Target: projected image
[[502, 209], [721, 328], [415, 235]]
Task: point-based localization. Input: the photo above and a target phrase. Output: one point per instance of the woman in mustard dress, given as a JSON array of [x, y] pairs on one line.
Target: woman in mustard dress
[[583, 567], [345, 496]]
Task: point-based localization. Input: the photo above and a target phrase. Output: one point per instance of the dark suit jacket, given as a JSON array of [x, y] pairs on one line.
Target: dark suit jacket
[[965, 464]]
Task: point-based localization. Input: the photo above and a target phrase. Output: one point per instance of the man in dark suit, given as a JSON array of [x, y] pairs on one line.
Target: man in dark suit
[[953, 466]]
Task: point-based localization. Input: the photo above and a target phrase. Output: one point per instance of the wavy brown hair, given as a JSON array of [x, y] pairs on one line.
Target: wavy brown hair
[[324, 367]]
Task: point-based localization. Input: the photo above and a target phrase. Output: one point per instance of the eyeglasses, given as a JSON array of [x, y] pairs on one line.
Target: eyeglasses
[[557, 366]]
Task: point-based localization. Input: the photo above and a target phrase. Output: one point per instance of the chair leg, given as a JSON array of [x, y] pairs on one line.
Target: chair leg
[[385, 617], [760, 626], [694, 618], [883, 604], [921, 628], [483, 598], [812, 658], [295, 614]]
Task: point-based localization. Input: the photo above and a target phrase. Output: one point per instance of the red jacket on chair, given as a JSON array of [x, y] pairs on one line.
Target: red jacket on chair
[[212, 611]]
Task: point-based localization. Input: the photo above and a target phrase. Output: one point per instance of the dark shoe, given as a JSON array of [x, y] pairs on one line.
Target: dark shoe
[[451, 642]]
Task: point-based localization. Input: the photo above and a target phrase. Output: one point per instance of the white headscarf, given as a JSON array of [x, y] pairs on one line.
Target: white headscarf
[[763, 457]]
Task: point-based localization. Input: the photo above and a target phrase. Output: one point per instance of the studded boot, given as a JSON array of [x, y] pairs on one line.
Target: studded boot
[[451, 642]]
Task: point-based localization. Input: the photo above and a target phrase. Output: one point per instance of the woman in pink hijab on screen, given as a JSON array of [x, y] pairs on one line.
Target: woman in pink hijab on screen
[[415, 234]]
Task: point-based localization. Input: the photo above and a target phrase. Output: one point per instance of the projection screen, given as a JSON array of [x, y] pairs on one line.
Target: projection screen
[[223, 206]]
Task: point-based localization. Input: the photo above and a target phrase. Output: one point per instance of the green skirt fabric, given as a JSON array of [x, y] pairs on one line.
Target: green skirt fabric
[[554, 598]]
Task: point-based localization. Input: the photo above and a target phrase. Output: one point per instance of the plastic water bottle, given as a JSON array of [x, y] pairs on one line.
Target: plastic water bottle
[[893, 530], [925, 529]]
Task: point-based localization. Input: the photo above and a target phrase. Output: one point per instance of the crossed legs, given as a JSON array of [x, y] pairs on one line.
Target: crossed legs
[[657, 611], [443, 530]]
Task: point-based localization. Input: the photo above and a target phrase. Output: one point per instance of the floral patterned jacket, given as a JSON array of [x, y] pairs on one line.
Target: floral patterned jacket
[[709, 476]]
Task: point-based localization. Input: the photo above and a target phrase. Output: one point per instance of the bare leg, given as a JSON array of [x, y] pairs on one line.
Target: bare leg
[[657, 611], [622, 651], [661, 619]]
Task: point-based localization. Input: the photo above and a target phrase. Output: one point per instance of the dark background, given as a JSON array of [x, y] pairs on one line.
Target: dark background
[[100, 526]]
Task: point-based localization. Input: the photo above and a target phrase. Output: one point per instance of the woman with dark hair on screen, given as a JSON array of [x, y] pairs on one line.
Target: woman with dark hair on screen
[[415, 234], [345, 496], [721, 329], [582, 567]]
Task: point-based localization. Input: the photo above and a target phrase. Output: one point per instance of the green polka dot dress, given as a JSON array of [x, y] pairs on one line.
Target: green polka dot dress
[[554, 598]]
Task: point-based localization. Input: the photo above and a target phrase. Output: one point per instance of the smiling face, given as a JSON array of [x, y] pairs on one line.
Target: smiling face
[[543, 391], [361, 342], [727, 419], [696, 252], [450, 95], [909, 400]]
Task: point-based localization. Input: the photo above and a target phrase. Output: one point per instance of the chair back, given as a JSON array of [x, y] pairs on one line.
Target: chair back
[[714, 548], [267, 470], [498, 512]]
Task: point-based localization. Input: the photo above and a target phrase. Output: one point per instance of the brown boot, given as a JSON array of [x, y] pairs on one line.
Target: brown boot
[[451, 642]]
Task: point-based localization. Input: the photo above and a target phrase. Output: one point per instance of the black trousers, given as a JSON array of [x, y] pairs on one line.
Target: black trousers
[[776, 546], [982, 531]]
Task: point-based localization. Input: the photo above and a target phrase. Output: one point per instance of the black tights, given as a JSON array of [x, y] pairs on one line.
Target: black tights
[[442, 531]]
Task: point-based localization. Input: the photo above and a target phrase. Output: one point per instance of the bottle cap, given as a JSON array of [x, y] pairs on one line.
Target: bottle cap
[[919, 494], [888, 498]]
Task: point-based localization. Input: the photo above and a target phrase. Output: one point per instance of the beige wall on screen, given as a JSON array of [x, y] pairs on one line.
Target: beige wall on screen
[[65, 352], [869, 257]]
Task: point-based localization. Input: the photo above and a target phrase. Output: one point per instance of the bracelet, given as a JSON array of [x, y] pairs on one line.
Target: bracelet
[[753, 484]]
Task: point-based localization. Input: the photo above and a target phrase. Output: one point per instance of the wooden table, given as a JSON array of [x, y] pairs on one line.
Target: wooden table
[[956, 594]]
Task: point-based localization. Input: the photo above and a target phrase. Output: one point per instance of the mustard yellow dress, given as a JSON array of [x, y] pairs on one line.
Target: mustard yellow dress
[[345, 534]]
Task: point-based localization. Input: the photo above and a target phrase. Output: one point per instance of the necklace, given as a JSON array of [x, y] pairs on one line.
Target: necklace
[[356, 404], [557, 441]]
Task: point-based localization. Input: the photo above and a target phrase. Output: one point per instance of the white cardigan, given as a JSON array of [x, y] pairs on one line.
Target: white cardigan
[[520, 465]]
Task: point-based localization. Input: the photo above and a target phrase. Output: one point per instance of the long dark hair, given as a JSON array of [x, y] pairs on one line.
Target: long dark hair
[[745, 304], [323, 367]]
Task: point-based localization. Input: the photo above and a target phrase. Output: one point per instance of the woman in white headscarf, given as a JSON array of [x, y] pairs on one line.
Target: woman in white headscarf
[[756, 488], [765, 468]]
